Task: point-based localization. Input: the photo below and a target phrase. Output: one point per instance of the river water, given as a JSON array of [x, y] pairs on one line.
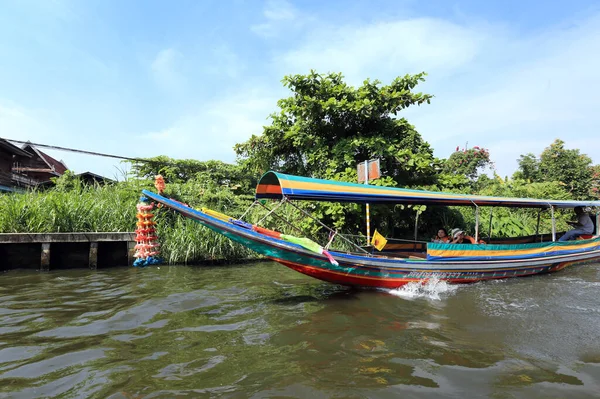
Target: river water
[[263, 331]]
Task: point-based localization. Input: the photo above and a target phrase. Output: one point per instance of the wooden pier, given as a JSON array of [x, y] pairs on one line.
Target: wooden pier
[[49, 251]]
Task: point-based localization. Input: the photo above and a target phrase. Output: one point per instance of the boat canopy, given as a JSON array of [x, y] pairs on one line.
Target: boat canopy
[[276, 185]]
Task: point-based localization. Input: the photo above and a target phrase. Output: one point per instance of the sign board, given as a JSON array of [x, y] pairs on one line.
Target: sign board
[[373, 169]]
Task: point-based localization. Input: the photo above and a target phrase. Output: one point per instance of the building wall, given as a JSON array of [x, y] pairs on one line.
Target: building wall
[[5, 168]]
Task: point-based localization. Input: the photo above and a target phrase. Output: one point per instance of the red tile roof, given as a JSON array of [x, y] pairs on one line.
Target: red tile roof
[[58, 166]]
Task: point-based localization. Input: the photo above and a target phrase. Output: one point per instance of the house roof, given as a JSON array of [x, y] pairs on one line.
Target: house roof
[[13, 149], [57, 166], [93, 176]]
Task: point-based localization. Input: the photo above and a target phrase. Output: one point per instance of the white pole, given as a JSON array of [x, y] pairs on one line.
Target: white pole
[[476, 224], [553, 223], [367, 210]]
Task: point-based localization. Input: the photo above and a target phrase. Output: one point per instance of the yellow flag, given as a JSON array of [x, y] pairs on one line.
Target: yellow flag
[[378, 240]]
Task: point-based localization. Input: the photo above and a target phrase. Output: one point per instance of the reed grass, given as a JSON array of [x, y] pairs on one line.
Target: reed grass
[[112, 208], [75, 207]]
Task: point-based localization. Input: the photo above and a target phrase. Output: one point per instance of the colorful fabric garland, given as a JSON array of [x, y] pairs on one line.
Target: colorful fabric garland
[[147, 246]]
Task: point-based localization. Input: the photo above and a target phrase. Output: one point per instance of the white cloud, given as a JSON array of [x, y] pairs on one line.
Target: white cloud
[[279, 14], [166, 69], [39, 126], [224, 61], [511, 93], [20, 123], [213, 130], [386, 49]]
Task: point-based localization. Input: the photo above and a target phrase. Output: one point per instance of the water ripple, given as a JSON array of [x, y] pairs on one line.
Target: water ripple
[[263, 331]]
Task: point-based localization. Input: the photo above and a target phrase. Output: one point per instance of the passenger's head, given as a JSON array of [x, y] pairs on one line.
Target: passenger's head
[[442, 233], [458, 233], [578, 210]]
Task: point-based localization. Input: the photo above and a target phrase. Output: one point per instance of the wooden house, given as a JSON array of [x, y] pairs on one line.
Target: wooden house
[[9, 154], [40, 167]]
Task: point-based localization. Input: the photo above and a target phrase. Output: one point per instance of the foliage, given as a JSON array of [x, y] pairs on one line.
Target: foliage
[[568, 167], [67, 181], [180, 171], [595, 183], [529, 168], [326, 127], [73, 206], [511, 222], [467, 162]]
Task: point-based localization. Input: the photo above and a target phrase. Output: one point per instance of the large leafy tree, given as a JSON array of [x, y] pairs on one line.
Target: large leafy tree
[[529, 168], [595, 186], [464, 163], [326, 127], [556, 163]]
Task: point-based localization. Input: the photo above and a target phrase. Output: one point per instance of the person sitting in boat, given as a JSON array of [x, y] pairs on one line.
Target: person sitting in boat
[[583, 225], [460, 237], [441, 236]]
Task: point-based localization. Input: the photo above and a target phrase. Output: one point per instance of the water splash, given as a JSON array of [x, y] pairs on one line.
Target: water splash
[[430, 288]]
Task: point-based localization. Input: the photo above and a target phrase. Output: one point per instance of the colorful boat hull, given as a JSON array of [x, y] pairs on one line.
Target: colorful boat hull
[[463, 264]]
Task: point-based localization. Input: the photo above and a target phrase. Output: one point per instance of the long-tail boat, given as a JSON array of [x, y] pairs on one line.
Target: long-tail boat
[[363, 266]]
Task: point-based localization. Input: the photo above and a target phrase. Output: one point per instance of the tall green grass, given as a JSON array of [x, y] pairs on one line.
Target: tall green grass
[[112, 208], [83, 209]]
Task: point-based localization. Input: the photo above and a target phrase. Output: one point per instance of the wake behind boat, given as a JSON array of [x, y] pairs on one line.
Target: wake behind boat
[[396, 264]]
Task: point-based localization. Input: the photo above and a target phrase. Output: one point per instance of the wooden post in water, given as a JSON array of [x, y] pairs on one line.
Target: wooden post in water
[[45, 257], [93, 259], [130, 252]]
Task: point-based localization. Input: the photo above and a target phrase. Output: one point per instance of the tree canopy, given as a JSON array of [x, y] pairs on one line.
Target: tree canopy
[[211, 172], [557, 164], [326, 127]]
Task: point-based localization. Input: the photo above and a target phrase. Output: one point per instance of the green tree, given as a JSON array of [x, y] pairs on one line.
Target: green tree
[[595, 185], [326, 127], [467, 162], [568, 167], [529, 168], [214, 173]]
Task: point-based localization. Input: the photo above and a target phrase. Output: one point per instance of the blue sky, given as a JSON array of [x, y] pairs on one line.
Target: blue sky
[[189, 79]]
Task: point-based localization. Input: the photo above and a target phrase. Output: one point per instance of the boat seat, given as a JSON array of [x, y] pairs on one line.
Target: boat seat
[[586, 236]]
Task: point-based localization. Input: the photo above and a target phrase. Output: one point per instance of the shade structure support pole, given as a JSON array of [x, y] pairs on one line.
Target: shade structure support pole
[[367, 205], [490, 229], [598, 223], [327, 227], [537, 227], [282, 219], [283, 201], [553, 223], [416, 227], [476, 223], [248, 210]]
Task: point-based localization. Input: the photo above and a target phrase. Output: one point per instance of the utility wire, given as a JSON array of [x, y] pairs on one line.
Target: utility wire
[[54, 147]]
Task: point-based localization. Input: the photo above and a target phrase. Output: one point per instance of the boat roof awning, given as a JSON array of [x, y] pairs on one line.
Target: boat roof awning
[[278, 185]]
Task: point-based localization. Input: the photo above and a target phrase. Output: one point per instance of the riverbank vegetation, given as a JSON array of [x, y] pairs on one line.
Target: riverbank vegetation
[[322, 130]]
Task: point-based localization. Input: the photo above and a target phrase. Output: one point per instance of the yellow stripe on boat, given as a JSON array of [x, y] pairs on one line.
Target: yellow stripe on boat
[[216, 214]]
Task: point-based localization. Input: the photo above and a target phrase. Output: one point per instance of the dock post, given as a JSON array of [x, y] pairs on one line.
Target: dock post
[[93, 262], [45, 257], [130, 252]]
